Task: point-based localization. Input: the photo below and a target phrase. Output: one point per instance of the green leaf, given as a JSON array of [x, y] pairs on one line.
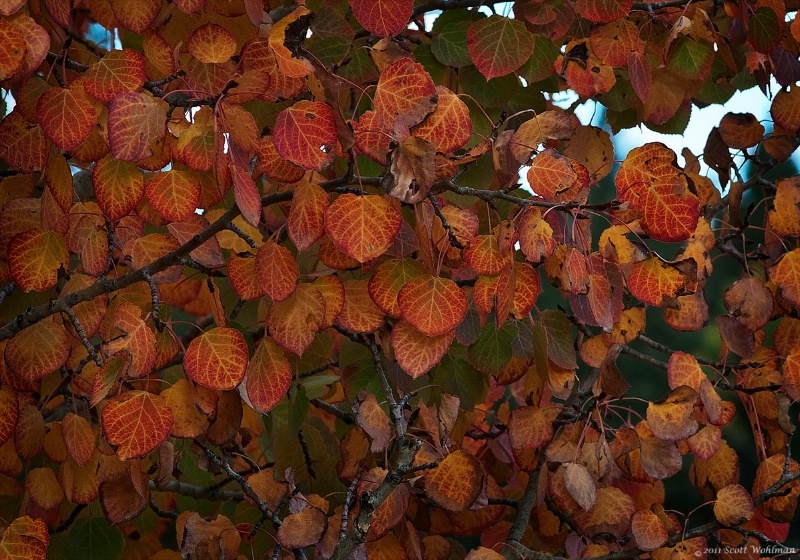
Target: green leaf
[[690, 59], [763, 31], [499, 45], [94, 539], [540, 65], [450, 46], [492, 350], [298, 409], [559, 339], [488, 93], [456, 376]]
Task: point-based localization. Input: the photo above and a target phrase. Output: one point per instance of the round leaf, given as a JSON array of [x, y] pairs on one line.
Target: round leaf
[[268, 377], [456, 483], [136, 422], [34, 258], [499, 45], [434, 306], [362, 227], [305, 134], [217, 359]]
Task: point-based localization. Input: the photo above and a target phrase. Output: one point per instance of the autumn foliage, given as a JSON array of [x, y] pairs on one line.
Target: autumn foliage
[[273, 285]]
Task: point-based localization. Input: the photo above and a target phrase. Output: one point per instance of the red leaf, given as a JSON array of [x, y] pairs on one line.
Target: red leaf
[[603, 11], [383, 18], [276, 268], [211, 44], [305, 134], [135, 121], [173, 194], [416, 353], [294, 322], [67, 116], [245, 191], [499, 45], [434, 306], [117, 72], [306, 220], [405, 93], [118, 186], [268, 377], [34, 258], [449, 126]]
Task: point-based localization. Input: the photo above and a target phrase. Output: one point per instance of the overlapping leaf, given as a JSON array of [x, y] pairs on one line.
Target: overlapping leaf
[[405, 93], [35, 257], [217, 359], [66, 115], [499, 45], [432, 305], [383, 18], [305, 134], [135, 120], [117, 72], [362, 227]]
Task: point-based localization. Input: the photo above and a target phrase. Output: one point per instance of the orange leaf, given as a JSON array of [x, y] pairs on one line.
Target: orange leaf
[[9, 414], [362, 227], [306, 220], [655, 282], [791, 374], [784, 109], [373, 420], [117, 72], [530, 427], [734, 505], [455, 483], [107, 375], [391, 511], [449, 126], [784, 219], [217, 358], [303, 528], [551, 174], [44, 488], [23, 145], [548, 125], [416, 353], [483, 255], [705, 443], [786, 275], [36, 40], [211, 44], [135, 121], [648, 530], [189, 422], [434, 306], [670, 419], [780, 508], [12, 50], [741, 130], [611, 513], [332, 289], [174, 194], [79, 438], [118, 186], [25, 539], [535, 236], [34, 258], [144, 250], [268, 377], [132, 335], [66, 115], [294, 322], [243, 278], [136, 422], [37, 350], [667, 215], [405, 93], [388, 279], [383, 18], [499, 45], [246, 194], [359, 314], [290, 62], [271, 164], [305, 134], [373, 138], [209, 253], [684, 369], [276, 268]]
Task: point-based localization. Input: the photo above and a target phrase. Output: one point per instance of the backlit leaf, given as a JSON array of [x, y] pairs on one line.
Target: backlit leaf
[[455, 483], [132, 335], [305, 134], [373, 420], [610, 514], [784, 219], [246, 195], [535, 236], [791, 374], [136, 422], [37, 43], [276, 269], [135, 120], [362, 227], [306, 220], [118, 186], [137, 16], [780, 508], [734, 505], [433, 305], [499, 45], [144, 250], [750, 301], [188, 422], [785, 108], [217, 358], [12, 50], [530, 427], [405, 93], [66, 115], [383, 18], [211, 43], [174, 194], [603, 11], [117, 72], [34, 258], [483, 255], [268, 377], [23, 146], [416, 353]]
